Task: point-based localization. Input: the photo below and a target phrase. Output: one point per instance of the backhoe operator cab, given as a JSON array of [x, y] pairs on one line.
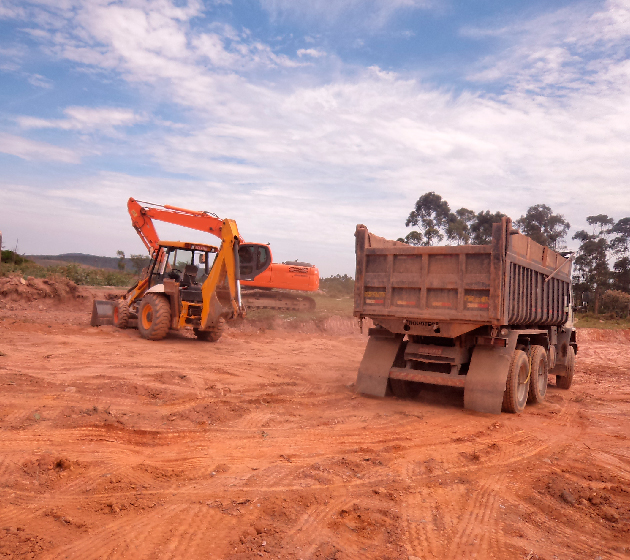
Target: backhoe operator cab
[[186, 285]]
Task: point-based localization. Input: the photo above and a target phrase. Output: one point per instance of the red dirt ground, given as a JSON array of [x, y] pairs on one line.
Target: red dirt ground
[[257, 446]]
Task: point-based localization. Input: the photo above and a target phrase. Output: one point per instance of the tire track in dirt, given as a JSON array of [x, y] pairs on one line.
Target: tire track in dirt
[[478, 528], [421, 540], [565, 540], [104, 541], [304, 533], [166, 533], [478, 533]]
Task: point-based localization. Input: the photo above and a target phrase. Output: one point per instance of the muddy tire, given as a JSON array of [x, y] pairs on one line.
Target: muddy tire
[[565, 381], [404, 389], [121, 315], [517, 386], [154, 317], [213, 334], [539, 375]]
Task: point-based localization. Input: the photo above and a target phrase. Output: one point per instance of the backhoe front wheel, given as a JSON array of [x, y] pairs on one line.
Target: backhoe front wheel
[[213, 333], [154, 317], [517, 386], [121, 315]]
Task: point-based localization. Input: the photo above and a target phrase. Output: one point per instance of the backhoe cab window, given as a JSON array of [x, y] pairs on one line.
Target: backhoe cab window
[[195, 265]]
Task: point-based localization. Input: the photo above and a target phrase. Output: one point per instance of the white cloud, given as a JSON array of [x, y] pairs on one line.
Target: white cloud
[[569, 48], [362, 13], [11, 10], [85, 118], [315, 53], [38, 80], [33, 150], [300, 164]]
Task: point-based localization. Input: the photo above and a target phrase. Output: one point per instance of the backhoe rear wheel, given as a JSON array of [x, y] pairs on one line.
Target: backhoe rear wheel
[[565, 381], [517, 386], [539, 375], [212, 334], [154, 317], [121, 315]]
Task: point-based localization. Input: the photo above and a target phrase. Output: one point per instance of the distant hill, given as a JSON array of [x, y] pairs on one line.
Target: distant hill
[[80, 258]]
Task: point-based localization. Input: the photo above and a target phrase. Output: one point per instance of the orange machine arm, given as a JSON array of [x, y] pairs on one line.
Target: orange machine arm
[[142, 219], [281, 276]]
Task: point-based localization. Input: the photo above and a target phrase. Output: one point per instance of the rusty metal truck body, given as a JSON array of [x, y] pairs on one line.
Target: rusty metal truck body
[[494, 319]]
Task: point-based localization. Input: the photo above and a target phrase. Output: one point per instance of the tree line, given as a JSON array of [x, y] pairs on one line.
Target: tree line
[[601, 263]]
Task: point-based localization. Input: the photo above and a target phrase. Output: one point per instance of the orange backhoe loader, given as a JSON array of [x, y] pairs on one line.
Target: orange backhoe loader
[[261, 291], [182, 274], [187, 284]]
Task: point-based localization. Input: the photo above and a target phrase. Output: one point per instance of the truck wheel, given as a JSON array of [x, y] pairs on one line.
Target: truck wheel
[[212, 334], [539, 375], [404, 389], [121, 315], [517, 386], [154, 317], [565, 381]]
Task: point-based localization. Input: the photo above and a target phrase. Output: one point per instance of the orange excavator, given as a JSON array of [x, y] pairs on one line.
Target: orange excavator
[[261, 291]]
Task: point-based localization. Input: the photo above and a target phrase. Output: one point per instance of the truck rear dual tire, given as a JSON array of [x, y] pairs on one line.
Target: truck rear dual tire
[[565, 381], [121, 315], [154, 317], [517, 386], [539, 374]]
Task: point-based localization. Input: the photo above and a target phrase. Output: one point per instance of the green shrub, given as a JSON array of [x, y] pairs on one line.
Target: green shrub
[[11, 257], [337, 286], [78, 274], [616, 303]]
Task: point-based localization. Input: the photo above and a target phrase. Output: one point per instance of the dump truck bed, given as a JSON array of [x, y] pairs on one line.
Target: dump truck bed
[[512, 281]]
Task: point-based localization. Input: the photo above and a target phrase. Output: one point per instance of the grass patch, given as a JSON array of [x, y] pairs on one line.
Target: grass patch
[[326, 307], [592, 321], [78, 274]]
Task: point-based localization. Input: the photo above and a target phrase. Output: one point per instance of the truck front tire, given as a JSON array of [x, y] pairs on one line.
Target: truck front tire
[[517, 386], [565, 381]]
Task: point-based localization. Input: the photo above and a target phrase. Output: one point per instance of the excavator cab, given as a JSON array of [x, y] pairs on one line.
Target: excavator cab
[[254, 258]]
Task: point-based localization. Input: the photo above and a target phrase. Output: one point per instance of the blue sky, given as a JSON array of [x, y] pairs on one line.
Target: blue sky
[[302, 119]]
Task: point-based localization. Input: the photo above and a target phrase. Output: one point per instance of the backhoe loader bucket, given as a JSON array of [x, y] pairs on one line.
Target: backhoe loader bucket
[[102, 312]]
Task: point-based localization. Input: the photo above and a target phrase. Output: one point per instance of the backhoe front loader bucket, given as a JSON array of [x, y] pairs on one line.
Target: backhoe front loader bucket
[[102, 312]]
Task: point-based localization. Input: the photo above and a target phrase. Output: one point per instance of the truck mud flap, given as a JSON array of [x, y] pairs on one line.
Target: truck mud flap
[[487, 376], [102, 312], [378, 359]]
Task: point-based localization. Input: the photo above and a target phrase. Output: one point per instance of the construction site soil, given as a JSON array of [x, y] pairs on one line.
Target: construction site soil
[[257, 446]]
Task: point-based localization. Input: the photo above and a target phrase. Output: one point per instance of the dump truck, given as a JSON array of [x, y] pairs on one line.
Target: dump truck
[[494, 319]]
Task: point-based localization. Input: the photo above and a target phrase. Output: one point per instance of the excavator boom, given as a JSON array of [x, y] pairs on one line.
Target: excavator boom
[[142, 219]]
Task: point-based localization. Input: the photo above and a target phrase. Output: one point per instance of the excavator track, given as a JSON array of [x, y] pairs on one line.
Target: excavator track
[[284, 301]]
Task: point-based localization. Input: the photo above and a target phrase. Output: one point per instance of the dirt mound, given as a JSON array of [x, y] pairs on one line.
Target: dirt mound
[[603, 335], [16, 288]]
